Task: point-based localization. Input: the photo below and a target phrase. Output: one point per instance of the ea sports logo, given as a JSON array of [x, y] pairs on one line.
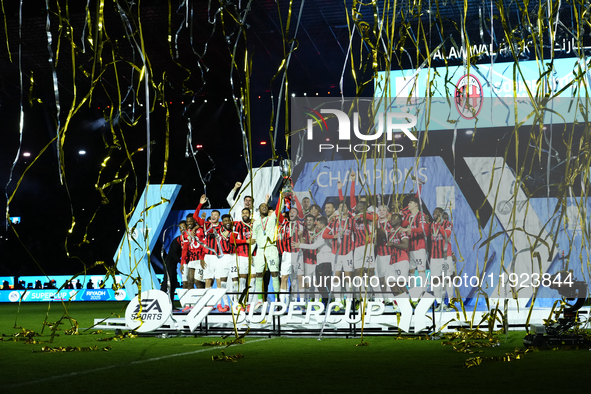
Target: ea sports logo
[[149, 312], [14, 296], [147, 305], [120, 295], [468, 96]]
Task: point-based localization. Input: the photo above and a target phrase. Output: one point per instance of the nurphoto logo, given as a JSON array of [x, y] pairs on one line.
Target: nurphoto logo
[[361, 124]]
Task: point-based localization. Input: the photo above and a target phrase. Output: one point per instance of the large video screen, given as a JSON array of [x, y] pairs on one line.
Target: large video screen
[[510, 172], [488, 95]]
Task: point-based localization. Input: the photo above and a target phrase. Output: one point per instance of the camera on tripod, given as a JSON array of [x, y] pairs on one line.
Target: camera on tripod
[[558, 333]]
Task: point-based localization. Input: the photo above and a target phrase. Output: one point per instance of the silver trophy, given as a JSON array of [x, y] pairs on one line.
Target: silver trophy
[[286, 166]]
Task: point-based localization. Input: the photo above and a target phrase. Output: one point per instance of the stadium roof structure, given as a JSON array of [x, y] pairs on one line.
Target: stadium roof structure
[[321, 45]]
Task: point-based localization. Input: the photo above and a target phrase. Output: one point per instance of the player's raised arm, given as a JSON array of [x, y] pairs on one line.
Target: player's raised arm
[[352, 197], [280, 217], [230, 199], [196, 215], [301, 215], [418, 193], [340, 189]]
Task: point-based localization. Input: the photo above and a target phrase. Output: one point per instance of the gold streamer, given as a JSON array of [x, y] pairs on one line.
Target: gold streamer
[[224, 343], [67, 349], [513, 356], [223, 357], [24, 335], [6, 33], [174, 57]]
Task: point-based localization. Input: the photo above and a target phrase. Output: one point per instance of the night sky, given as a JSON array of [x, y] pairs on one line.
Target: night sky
[[196, 87]]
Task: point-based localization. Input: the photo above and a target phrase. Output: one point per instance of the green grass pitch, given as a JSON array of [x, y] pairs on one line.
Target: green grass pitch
[[274, 365]]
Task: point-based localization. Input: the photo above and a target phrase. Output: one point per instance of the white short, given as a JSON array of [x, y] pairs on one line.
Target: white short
[[194, 264], [452, 265], [298, 266], [418, 259], [441, 267], [364, 257], [231, 262], [271, 255], [243, 265], [344, 263], [185, 272], [396, 271], [382, 264], [199, 271], [215, 267], [289, 263]]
